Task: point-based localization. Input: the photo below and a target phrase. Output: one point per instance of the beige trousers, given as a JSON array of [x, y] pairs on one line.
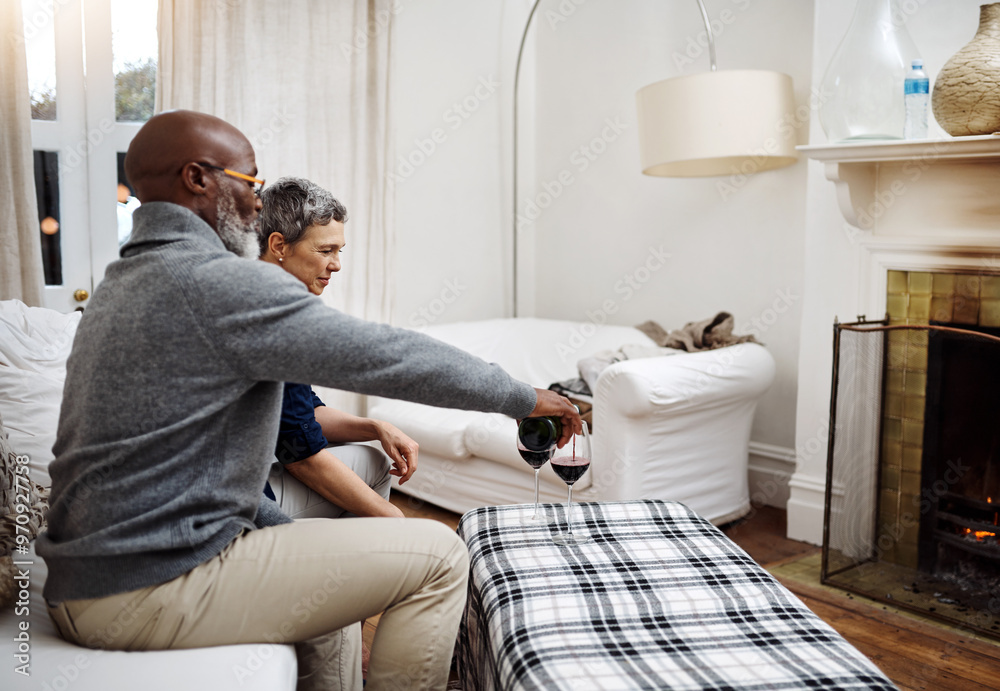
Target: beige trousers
[[332, 661], [296, 582]]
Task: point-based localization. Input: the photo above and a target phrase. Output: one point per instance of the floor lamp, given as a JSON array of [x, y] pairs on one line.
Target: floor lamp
[[706, 124]]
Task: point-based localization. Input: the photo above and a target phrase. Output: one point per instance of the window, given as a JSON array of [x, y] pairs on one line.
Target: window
[[40, 47], [133, 47], [88, 99], [47, 194]]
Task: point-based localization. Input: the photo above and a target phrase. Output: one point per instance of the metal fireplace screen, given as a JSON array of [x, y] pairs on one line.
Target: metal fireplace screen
[[913, 472], [855, 426]]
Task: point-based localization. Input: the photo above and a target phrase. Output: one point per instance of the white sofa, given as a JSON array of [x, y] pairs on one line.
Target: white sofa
[[674, 428], [34, 344]]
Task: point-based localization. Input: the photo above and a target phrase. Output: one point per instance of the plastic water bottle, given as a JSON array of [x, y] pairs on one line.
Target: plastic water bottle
[[916, 95]]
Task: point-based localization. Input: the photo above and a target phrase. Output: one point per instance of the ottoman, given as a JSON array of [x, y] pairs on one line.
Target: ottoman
[[659, 599]]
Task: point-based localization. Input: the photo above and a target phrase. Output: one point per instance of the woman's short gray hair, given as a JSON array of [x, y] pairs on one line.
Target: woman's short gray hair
[[293, 204]]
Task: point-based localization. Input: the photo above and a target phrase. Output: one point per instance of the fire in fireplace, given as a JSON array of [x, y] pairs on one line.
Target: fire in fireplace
[[958, 530]]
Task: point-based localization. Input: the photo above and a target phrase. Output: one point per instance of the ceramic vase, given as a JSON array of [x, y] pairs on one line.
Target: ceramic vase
[[862, 90], [966, 97]]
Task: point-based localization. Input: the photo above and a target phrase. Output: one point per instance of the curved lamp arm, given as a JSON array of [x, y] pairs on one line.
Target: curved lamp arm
[[517, 79]]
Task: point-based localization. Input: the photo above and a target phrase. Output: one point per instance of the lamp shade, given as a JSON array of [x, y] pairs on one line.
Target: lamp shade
[[717, 123]]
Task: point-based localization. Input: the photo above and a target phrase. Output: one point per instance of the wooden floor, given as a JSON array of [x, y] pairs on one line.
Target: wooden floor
[[915, 653]]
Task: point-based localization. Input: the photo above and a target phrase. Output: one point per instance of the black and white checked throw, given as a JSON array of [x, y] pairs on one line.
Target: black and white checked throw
[[659, 599]]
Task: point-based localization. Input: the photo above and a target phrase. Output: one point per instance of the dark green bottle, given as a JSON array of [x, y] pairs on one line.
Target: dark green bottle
[[539, 433]]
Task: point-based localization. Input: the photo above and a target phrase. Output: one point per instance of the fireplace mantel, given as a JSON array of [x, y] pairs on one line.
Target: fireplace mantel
[[951, 184]]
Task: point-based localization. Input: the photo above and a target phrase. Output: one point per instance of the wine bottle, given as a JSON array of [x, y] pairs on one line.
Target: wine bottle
[[539, 433]]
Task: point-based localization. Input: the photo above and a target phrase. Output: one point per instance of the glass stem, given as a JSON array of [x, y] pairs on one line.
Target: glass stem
[[535, 515], [569, 512]]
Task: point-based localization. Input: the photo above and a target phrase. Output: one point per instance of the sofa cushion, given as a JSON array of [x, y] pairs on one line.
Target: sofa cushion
[[34, 345], [494, 436], [536, 351], [440, 431], [54, 663]]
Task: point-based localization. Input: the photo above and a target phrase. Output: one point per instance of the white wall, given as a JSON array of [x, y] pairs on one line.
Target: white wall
[[939, 28], [780, 234], [452, 70], [734, 244]]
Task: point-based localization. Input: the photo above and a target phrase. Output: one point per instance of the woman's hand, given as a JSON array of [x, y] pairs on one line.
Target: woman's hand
[[402, 450]]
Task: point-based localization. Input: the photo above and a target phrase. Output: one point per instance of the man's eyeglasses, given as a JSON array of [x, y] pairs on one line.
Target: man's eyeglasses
[[242, 176]]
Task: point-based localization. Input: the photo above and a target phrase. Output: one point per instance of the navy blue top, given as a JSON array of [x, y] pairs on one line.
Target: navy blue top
[[299, 435]]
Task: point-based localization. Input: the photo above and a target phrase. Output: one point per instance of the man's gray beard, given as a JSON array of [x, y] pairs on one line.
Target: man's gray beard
[[239, 237]]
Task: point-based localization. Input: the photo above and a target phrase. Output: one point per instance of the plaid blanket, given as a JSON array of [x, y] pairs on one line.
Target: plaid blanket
[[659, 599]]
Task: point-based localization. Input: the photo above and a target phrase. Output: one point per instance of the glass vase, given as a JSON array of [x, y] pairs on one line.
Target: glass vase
[[862, 91]]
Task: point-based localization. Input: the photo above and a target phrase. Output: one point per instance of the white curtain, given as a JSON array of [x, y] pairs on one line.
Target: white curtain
[[21, 274], [308, 82]]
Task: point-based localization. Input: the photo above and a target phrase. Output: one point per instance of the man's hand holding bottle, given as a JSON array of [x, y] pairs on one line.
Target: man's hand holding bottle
[[551, 404]]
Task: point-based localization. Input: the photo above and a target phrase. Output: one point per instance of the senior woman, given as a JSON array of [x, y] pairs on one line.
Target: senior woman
[[319, 474]]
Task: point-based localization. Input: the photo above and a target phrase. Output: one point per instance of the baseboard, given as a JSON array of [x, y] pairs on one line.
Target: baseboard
[[770, 469], [805, 509]]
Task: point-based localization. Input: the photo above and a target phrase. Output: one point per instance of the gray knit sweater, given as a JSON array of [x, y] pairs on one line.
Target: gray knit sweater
[[173, 394]]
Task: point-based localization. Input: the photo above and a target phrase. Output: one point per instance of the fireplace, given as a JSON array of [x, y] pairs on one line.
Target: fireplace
[[960, 474], [913, 487]]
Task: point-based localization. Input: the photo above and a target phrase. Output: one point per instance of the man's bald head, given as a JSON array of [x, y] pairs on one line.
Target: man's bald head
[[172, 139], [166, 161]]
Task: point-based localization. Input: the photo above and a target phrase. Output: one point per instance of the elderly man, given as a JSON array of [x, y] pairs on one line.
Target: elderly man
[[167, 430]]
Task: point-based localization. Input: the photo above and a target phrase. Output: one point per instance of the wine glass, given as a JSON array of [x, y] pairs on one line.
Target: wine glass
[[536, 459], [570, 463]]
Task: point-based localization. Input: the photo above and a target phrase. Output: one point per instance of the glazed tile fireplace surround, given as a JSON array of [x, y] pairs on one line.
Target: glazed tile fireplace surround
[[922, 224]]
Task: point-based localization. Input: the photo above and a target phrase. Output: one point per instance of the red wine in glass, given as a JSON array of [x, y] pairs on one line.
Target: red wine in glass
[[570, 463], [570, 468], [536, 459]]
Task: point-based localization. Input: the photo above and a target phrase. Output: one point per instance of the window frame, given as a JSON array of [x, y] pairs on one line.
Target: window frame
[[88, 139]]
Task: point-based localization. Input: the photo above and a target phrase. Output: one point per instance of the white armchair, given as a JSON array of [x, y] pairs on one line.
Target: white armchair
[[675, 427]]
